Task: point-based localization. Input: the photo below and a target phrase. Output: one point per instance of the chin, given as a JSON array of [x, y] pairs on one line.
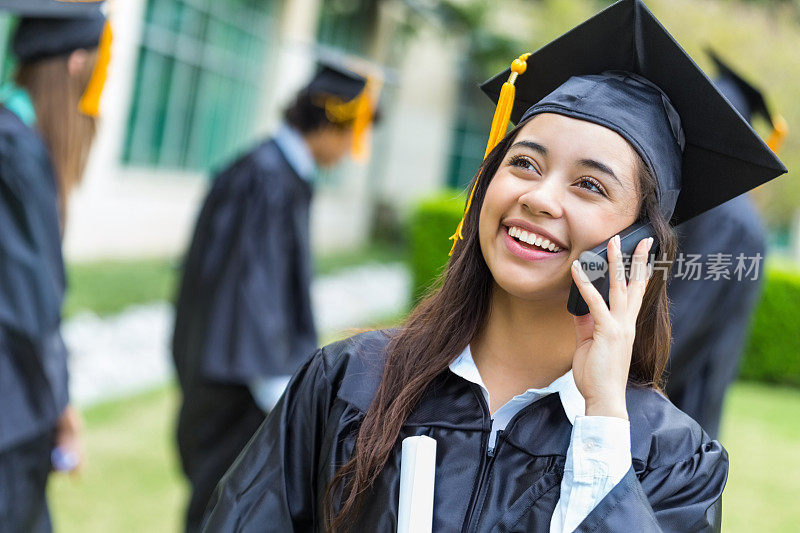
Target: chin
[[533, 285]]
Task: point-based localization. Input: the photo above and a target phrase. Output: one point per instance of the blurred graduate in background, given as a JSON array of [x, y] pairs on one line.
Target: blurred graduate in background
[[708, 344], [47, 124], [244, 319]]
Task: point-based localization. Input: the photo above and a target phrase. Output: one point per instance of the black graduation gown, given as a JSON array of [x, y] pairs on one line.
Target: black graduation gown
[[243, 310], [710, 318], [33, 358], [279, 481]]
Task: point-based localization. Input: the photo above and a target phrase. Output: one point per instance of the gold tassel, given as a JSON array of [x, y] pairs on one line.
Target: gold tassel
[[90, 101], [502, 114], [365, 111], [779, 133]]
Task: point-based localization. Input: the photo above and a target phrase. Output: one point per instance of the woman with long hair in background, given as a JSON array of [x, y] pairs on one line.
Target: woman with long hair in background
[[47, 124]]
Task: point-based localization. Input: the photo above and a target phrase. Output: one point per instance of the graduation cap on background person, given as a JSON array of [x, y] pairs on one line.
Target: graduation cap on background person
[[621, 69], [748, 99], [347, 97], [50, 28]]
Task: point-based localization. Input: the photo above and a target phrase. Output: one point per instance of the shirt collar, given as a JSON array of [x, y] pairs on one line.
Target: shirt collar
[[17, 100], [571, 398], [296, 151]]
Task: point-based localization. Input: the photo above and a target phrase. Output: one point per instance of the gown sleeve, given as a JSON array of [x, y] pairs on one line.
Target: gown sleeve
[[243, 266], [272, 485], [679, 497]]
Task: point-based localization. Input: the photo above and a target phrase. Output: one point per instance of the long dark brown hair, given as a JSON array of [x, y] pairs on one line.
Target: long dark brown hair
[[67, 132], [442, 325]]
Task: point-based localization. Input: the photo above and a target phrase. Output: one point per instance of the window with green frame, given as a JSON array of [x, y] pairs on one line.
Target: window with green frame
[[470, 133], [198, 81]]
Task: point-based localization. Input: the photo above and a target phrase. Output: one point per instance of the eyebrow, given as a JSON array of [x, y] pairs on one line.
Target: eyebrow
[[589, 163], [536, 147], [600, 167]]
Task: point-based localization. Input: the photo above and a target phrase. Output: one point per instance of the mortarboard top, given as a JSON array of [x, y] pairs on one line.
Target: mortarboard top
[[332, 80], [657, 98]]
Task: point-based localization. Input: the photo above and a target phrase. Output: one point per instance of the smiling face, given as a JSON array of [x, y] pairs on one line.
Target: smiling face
[[566, 184]]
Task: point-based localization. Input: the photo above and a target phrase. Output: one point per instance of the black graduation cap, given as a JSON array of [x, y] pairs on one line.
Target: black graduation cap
[[332, 80], [623, 70], [50, 28]]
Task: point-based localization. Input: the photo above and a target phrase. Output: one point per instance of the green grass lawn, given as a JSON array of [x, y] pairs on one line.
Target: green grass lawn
[[761, 431], [132, 481], [108, 287]]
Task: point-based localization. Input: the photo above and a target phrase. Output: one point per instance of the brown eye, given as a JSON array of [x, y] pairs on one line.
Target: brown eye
[[523, 162], [591, 184]]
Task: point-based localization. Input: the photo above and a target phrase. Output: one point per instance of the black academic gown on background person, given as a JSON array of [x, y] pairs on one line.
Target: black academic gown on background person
[[243, 311], [278, 483], [710, 318], [33, 358]]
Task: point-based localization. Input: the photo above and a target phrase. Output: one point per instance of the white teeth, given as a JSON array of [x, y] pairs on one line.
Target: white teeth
[[532, 239]]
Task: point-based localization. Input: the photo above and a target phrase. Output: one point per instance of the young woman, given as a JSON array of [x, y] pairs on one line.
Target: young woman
[[543, 421], [46, 129]]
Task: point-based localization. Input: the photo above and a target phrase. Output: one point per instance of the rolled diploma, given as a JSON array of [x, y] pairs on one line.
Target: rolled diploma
[[417, 474]]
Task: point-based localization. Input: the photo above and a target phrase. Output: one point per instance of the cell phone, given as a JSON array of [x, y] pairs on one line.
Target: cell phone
[[595, 264]]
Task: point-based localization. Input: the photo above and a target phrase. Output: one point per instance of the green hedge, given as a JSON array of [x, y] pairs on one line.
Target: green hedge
[[432, 222], [772, 353], [773, 347]]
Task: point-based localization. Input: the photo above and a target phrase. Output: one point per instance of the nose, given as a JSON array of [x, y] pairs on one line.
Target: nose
[[544, 198]]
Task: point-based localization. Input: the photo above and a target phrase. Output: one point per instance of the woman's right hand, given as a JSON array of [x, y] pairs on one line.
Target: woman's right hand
[[604, 337]]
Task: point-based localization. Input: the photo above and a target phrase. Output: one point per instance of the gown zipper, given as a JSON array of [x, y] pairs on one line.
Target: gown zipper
[[487, 461], [479, 495], [485, 458]]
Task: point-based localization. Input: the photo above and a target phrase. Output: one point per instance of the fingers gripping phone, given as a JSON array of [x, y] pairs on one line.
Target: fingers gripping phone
[[595, 264]]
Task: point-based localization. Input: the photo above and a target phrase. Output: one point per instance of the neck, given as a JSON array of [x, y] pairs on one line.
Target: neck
[[316, 146], [523, 344]]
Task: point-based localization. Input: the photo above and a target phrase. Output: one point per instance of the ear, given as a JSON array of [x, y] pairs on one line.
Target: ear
[[77, 63]]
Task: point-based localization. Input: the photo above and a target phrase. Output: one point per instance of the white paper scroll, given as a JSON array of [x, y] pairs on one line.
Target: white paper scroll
[[417, 474]]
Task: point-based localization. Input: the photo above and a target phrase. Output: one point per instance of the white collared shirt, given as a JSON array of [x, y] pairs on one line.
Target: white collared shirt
[[599, 452], [294, 148]]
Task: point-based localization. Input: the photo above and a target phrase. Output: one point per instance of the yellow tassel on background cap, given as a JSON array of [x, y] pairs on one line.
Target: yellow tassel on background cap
[[779, 133], [90, 101], [359, 110], [502, 114], [365, 111]]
